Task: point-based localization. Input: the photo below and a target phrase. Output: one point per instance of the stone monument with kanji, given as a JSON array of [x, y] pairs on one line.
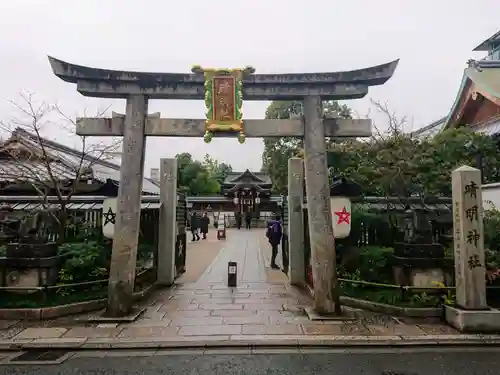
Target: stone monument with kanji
[[470, 313]]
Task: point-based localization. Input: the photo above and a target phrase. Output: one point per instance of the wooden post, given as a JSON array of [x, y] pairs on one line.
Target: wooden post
[[168, 223], [326, 297], [126, 236], [468, 238], [296, 271]]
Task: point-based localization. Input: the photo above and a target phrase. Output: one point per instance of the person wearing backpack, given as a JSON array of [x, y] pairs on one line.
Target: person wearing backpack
[[273, 234]]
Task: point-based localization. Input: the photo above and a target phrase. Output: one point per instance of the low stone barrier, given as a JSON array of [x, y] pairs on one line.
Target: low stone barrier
[[412, 312], [42, 313]]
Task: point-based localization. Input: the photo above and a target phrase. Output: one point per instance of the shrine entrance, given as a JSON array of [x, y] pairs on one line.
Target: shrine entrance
[[223, 91], [250, 193]]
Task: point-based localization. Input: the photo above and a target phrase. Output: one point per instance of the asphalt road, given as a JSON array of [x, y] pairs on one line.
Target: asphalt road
[[433, 361]]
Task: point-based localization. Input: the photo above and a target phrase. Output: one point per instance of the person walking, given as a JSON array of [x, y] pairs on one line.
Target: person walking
[[237, 217], [274, 234], [248, 220], [194, 227], [204, 223]]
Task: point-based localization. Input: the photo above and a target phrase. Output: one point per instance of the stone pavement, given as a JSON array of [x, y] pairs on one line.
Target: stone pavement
[[200, 255], [208, 313], [242, 246], [273, 276]]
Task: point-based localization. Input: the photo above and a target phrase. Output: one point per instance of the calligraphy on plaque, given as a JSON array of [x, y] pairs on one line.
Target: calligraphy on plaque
[[223, 101], [224, 109]]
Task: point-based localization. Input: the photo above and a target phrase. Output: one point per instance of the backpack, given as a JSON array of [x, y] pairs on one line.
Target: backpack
[[273, 228], [276, 227]]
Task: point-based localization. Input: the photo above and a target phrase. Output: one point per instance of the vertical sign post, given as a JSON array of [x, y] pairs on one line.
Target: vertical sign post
[[232, 274]]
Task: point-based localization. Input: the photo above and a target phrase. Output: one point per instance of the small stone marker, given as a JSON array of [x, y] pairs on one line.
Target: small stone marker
[[470, 314], [232, 274]]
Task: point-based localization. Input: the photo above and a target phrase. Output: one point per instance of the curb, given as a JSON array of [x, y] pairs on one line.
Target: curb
[[410, 312], [288, 341]]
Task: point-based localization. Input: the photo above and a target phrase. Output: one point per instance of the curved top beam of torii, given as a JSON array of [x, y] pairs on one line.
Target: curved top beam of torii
[[119, 84]]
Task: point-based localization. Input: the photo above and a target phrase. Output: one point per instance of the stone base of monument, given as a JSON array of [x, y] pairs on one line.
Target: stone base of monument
[[346, 314], [473, 321], [102, 317]]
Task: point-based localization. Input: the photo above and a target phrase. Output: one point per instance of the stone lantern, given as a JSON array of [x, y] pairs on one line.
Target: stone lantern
[[30, 261], [418, 260], [409, 225]]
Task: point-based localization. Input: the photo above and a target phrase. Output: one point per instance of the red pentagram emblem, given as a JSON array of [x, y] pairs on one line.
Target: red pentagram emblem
[[343, 215]]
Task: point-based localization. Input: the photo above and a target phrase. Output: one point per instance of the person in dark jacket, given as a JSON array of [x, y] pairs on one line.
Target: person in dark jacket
[[274, 234], [204, 223], [248, 220], [237, 217], [195, 224]]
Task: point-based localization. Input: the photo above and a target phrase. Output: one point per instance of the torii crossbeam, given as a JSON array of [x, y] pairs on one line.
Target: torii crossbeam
[[223, 114]]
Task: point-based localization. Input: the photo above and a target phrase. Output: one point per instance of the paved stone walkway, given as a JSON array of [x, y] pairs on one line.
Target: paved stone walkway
[[208, 311], [199, 256], [242, 247], [273, 276]]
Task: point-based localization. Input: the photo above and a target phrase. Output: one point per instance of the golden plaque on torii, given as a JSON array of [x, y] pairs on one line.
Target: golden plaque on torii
[[223, 100]]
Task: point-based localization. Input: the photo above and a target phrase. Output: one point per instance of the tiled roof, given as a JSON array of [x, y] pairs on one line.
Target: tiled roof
[[429, 130], [484, 78], [64, 166], [259, 177], [485, 45], [490, 127]]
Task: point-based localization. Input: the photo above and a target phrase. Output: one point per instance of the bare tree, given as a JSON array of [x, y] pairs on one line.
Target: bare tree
[[35, 163], [394, 124]]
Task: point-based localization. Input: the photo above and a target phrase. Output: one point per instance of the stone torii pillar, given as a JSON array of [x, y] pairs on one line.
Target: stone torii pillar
[[312, 88], [296, 267], [128, 208], [323, 259]]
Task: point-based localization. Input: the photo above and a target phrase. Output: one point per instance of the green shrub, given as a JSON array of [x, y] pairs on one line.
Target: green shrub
[[84, 261], [371, 263], [492, 239]]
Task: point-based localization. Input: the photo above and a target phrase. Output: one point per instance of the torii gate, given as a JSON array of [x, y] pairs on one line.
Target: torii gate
[[223, 91]]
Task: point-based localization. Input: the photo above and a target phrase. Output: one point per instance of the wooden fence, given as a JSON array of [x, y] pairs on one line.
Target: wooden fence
[[86, 219], [378, 221], [85, 215]]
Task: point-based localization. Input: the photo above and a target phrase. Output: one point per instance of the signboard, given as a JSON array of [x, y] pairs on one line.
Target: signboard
[[223, 101], [341, 215], [108, 217]]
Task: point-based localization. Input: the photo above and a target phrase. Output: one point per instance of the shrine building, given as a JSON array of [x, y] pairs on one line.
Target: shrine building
[[477, 103], [241, 192]]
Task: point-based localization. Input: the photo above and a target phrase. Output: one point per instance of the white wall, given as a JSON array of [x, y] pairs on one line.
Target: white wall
[[491, 196]]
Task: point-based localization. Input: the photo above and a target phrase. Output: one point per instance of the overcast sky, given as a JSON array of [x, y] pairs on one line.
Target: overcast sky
[[433, 38]]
